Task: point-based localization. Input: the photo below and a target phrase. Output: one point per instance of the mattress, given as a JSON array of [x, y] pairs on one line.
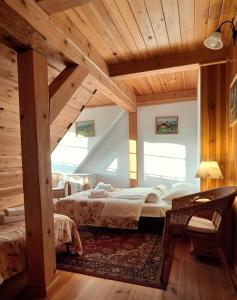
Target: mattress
[[13, 245], [155, 210]]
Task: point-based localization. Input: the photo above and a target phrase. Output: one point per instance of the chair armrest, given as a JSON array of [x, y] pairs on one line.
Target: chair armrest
[[180, 217]]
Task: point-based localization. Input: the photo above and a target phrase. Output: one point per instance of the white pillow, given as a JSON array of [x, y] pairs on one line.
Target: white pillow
[[176, 193], [161, 187], [185, 185]]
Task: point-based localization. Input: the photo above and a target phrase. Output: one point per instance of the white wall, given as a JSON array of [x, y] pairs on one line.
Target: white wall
[[168, 158], [162, 158], [110, 159], [72, 150]]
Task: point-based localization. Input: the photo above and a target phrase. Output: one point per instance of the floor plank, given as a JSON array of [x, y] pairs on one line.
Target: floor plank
[[190, 278]]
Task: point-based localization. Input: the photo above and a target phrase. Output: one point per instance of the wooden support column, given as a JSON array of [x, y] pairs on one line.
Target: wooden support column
[[133, 159], [35, 140]]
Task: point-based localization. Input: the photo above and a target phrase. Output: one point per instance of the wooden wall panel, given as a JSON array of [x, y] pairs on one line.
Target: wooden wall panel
[[218, 138], [214, 130]]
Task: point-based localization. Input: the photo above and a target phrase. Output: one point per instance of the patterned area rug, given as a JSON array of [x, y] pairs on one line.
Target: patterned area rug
[[122, 255]]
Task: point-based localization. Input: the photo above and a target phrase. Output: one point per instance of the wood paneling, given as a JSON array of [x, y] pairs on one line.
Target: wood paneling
[[54, 6], [214, 120], [63, 36], [219, 139], [125, 30], [10, 146]]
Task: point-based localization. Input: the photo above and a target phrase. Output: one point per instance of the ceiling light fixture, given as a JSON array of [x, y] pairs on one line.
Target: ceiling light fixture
[[214, 41]]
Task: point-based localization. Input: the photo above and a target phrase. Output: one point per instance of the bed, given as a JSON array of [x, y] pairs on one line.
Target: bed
[[13, 245], [120, 209]]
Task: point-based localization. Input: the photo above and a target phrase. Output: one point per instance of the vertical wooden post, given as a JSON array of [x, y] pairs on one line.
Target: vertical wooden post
[[35, 140], [133, 164]]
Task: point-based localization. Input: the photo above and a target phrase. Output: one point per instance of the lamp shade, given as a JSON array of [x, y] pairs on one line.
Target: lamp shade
[[209, 169], [214, 41]]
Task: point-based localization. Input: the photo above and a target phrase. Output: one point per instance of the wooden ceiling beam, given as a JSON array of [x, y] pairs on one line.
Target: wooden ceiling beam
[[17, 33], [54, 6], [166, 98], [167, 64], [63, 36], [64, 87]]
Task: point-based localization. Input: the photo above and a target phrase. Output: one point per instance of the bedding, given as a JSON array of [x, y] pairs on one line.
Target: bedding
[[13, 246], [121, 208], [104, 212]]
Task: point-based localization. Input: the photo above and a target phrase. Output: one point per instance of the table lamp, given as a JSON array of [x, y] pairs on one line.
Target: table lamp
[[209, 170]]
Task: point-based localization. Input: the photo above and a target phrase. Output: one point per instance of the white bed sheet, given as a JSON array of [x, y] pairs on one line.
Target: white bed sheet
[[155, 210]]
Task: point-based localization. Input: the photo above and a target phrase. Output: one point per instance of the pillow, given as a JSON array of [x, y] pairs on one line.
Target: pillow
[[161, 187], [185, 185], [176, 193]]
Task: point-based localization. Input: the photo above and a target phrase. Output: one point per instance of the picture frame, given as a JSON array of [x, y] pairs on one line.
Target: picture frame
[[233, 102], [85, 128], [166, 125]]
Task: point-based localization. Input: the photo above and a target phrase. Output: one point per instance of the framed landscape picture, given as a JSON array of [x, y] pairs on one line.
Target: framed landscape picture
[[233, 101], [85, 128], [166, 125]]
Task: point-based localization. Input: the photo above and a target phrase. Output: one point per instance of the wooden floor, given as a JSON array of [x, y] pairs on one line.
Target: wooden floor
[[190, 279]]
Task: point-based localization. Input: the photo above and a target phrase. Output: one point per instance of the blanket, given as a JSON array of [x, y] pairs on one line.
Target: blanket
[[13, 244], [104, 212]]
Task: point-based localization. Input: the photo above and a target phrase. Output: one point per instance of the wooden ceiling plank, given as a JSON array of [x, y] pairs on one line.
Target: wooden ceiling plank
[[165, 98], [54, 6], [156, 15], [167, 64], [71, 46], [130, 20], [144, 24], [171, 13], [64, 87], [187, 24], [201, 21], [120, 23], [81, 21], [106, 30], [215, 9]]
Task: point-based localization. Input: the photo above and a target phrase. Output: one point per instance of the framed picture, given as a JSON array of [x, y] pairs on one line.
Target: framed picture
[[233, 101], [85, 128], [166, 125]]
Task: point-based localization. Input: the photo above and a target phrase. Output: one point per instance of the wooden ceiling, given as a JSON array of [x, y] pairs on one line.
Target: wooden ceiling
[[125, 30], [131, 30]]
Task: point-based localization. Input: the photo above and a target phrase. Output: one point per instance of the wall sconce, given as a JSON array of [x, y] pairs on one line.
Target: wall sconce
[[214, 41]]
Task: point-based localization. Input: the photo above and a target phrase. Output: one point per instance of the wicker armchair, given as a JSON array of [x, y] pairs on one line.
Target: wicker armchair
[[200, 219]]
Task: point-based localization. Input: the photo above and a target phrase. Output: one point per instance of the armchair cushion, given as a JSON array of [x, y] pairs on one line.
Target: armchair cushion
[[201, 225]]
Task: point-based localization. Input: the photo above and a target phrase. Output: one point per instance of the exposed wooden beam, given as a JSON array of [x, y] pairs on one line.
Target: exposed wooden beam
[[54, 6], [168, 63], [35, 141], [133, 157], [64, 87], [16, 33], [166, 98], [62, 35]]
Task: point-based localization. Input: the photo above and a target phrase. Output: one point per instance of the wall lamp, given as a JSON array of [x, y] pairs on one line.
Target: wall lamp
[[214, 41]]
